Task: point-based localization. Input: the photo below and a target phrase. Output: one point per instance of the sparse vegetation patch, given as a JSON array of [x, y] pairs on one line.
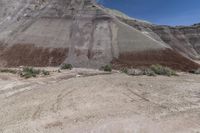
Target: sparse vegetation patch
[[45, 73], [162, 70], [124, 70], [8, 71], [149, 72], [106, 68], [26, 72], [66, 66], [29, 72], [152, 71]]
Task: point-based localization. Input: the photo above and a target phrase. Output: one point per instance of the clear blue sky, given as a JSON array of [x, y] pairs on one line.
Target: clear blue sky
[[165, 12]]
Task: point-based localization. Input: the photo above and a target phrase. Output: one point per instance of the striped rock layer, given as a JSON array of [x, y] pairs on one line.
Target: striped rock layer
[[78, 32]]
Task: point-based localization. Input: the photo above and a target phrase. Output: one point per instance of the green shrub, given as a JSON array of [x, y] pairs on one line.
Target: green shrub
[[8, 71], [66, 66], [44, 72], [161, 70], [29, 72], [124, 70], [149, 72], [152, 71], [106, 68]]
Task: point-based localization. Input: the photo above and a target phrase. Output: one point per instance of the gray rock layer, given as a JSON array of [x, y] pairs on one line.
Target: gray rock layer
[[79, 32], [183, 39]]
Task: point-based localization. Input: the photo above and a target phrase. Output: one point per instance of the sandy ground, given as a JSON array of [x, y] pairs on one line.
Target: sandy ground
[[89, 101]]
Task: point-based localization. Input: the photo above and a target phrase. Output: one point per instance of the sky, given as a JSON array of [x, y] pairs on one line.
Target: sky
[[164, 12]]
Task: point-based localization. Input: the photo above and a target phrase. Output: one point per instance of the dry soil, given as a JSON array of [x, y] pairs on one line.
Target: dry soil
[[90, 101]]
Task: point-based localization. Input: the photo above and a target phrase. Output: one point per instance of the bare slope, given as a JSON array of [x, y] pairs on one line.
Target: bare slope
[[52, 32], [183, 39]]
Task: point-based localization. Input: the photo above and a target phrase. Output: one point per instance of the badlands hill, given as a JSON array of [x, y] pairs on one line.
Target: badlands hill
[[183, 39], [84, 34]]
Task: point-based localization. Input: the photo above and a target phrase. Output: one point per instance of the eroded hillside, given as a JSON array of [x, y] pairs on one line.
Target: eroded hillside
[[78, 32], [183, 39]]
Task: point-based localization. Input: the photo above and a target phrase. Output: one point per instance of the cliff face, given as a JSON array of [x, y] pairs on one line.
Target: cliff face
[[79, 32], [183, 39]]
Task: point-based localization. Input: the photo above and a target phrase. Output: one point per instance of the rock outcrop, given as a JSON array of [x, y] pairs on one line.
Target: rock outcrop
[[82, 33]]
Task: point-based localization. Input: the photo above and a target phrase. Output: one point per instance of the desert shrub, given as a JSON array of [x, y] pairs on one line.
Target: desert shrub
[[124, 70], [152, 71], [26, 72], [8, 71], [29, 72], [161, 70], [44, 72], [66, 66], [149, 72], [59, 71], [106, 68]]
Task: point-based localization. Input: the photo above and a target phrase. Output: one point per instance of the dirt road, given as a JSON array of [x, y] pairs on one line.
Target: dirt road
[[89, 101]]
